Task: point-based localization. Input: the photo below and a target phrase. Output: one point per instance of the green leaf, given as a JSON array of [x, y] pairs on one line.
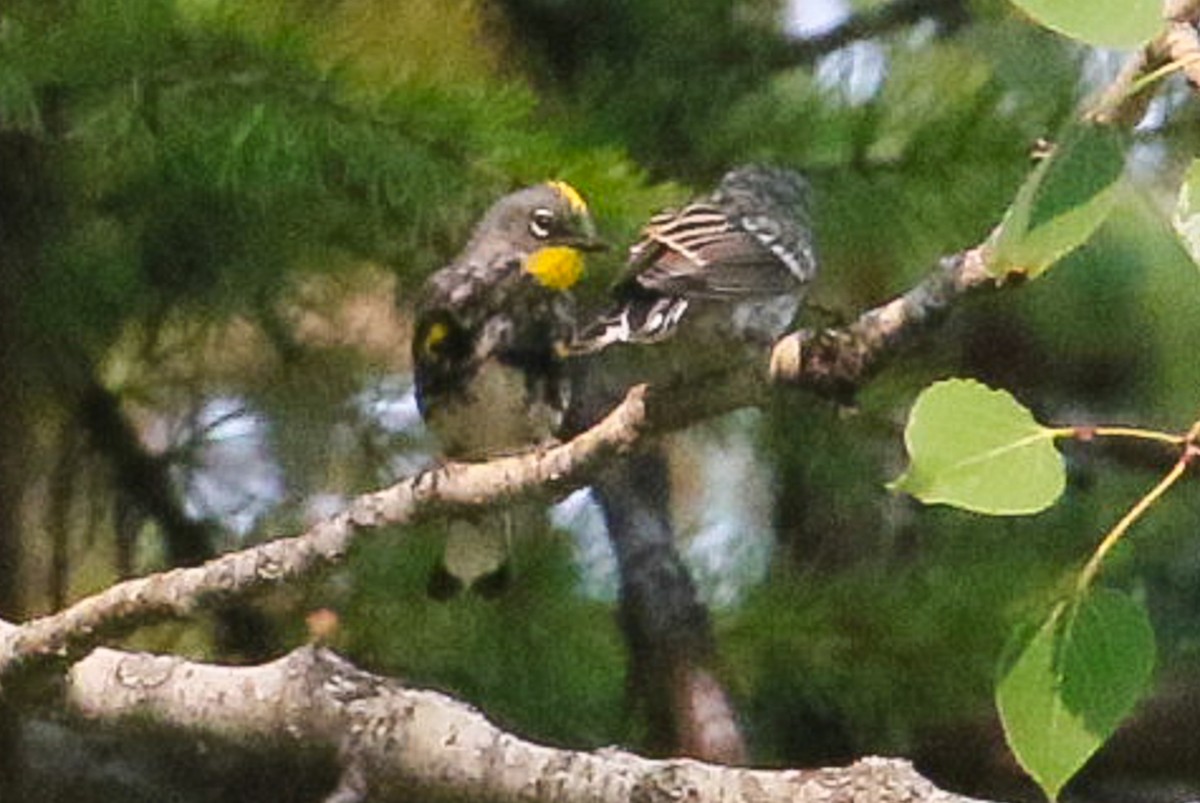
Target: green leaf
[[1062, 202], [1068, 686], [1187, 212], [1121, 24], [976, 448]]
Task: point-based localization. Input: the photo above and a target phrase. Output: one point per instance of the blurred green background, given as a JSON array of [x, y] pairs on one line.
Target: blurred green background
[[209, 211]]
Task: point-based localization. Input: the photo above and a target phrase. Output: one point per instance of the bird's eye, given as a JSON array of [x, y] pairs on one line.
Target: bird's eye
[[541, 222]]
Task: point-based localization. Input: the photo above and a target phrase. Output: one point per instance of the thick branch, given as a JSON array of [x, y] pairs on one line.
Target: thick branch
[[828, 361], [836, 361], [72, 633], [832, 361], [400, 743], [666, 627]]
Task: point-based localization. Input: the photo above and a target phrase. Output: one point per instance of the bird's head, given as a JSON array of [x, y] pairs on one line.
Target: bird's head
[[550, 226]]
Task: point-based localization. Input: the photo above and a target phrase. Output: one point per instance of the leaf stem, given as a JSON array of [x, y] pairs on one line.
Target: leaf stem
[[1143, 434], [1168, 68], [1086, 433], [1114, 535]]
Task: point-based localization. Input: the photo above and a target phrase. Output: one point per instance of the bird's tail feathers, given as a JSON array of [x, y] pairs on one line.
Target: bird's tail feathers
[[637, 321]]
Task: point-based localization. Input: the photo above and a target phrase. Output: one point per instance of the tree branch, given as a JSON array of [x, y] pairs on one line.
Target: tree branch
[[834, 362], [71, 633], [399, 743], [142, 476], [828, 362], [666, 627]]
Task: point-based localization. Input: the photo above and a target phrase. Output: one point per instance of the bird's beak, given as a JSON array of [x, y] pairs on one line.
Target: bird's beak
[[589, 243], [587, 240]]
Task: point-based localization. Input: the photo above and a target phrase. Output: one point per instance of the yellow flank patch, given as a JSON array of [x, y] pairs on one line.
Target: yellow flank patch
[[436, 334], [574, 199], [556, 267]]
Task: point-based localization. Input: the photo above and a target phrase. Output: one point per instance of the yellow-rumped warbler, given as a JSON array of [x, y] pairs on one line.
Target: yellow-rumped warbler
[[490, 330], [733, 265]]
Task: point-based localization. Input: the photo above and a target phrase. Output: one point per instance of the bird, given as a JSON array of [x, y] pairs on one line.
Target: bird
[[490, 332], [706, 285], [733, 265]]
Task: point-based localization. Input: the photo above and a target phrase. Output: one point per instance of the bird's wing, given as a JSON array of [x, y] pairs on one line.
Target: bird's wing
[[699, 252]]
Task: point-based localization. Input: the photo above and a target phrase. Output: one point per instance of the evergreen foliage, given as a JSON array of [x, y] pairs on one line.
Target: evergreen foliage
[[210, 172]]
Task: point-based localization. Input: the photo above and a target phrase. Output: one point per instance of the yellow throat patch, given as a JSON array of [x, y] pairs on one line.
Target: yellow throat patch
[[572, 196], [556, 267]]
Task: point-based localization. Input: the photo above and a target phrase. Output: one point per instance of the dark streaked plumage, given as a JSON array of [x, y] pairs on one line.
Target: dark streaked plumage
[[487, 349], [744, 253], [490, 325]]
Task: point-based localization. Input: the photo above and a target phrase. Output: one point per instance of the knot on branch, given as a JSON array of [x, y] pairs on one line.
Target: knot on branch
[[831, 362]]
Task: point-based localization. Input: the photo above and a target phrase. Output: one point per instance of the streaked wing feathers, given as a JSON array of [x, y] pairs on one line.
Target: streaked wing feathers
[[697, 252]]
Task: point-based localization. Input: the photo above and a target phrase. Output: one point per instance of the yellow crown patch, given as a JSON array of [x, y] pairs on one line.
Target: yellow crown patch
[[555, 267], [574, 199]]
